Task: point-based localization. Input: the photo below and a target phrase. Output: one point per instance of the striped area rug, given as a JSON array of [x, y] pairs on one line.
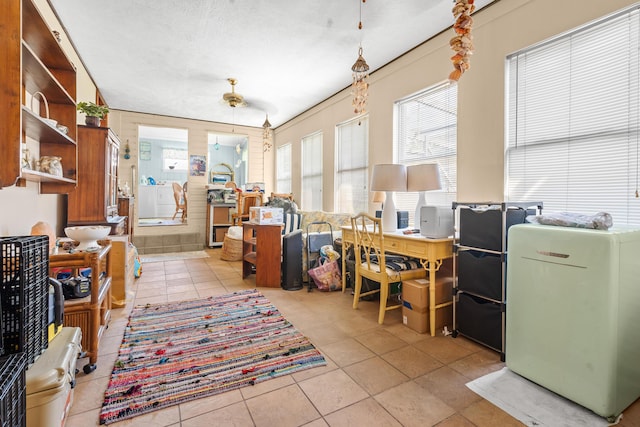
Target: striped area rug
[[177, 352]]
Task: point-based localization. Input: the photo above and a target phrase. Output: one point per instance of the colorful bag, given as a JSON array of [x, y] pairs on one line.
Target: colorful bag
[[326, 275]]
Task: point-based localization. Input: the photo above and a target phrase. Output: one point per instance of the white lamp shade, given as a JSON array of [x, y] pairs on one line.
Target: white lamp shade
[[423, 177], [389, 177]]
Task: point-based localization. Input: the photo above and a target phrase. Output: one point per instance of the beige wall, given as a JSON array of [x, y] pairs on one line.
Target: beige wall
[[500, 29]]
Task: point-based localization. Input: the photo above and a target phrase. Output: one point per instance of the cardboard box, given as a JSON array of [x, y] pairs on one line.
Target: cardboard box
[[266, 215], [219, 234], [415, 293], [417, 319], [415, 303]]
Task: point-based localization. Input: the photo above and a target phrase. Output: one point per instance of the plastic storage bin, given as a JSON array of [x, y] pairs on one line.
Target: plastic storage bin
[[12, 390], [50, 381], [25, 295]]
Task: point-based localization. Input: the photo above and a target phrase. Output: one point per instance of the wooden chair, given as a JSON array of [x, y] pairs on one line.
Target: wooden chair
[[180, 196], [246, 200], [369, 243]]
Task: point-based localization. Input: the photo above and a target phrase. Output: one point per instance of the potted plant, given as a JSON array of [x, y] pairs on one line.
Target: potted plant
[[94, 113]]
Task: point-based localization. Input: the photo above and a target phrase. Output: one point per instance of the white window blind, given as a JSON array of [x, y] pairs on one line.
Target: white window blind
[[283, 169], [573, 120], [426, 126], [351, 180], [311, 197]]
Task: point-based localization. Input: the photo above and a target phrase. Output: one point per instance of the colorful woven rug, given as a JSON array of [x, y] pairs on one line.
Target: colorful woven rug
[[174, 353]]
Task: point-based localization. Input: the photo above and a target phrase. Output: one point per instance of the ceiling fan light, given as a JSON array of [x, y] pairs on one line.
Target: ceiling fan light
[[232, 98]]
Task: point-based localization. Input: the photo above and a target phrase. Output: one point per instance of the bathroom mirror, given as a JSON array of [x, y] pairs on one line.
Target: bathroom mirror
[[162, 161]]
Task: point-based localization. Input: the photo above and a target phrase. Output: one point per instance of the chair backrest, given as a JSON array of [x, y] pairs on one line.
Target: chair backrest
[[177, 193], [368, 239], [248, 199]]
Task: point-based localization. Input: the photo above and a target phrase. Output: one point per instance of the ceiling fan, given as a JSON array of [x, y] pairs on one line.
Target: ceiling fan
[[232, 98]]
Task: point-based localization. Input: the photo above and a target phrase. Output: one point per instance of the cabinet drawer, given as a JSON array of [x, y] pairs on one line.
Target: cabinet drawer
[[480, 273], [394, 245], [482, 228], [479, 319]]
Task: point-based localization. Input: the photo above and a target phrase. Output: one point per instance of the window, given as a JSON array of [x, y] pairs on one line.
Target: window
[[573, 120], [311, 199], [426, 126], [175, 159], [351, 180], [283, 169]]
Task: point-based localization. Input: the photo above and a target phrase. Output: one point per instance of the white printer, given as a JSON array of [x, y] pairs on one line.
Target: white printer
[[436, 222]]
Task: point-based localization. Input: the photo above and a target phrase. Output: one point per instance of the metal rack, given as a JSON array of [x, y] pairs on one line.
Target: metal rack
[[480, 256]]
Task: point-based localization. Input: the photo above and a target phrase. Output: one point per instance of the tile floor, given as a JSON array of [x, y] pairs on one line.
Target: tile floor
[[376, 375]]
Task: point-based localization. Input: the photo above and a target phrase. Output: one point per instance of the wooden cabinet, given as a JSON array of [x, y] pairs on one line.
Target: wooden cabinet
[[31, 61], [95, 200], [262, 249], [126, 208], [91, 314]]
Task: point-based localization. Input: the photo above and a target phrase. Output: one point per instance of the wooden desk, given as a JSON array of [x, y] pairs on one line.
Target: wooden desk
[[431, 253]]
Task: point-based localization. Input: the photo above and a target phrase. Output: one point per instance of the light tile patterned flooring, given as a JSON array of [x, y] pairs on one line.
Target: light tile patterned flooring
[[376, 375]]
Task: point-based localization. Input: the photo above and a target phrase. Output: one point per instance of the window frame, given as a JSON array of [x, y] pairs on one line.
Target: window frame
[[342, 195], [578, 151], [311, 196], [440, 103]]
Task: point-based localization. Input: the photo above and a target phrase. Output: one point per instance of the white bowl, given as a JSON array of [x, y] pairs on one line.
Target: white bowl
[[88, 235]]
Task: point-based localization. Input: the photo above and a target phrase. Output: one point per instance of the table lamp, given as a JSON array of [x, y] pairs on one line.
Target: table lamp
[[378, 197], [422, 178], [389, 178]]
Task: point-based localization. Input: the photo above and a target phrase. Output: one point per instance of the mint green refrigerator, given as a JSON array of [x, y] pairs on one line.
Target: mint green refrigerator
[[573, 313]]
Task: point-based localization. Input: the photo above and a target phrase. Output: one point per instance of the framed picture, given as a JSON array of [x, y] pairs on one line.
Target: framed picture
[[197, 165], [145, 150]]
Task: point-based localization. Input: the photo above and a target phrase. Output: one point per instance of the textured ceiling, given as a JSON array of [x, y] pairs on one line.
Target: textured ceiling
[[173, 57]]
